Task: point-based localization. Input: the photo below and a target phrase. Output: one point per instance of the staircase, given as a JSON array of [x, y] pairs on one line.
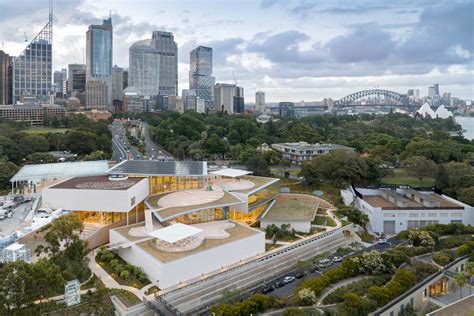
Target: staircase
[[90, 229]]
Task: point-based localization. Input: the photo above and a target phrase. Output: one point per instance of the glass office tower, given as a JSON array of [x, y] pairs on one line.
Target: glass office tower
[[32, 69], [168, 51], [200, 74], [144, 68]]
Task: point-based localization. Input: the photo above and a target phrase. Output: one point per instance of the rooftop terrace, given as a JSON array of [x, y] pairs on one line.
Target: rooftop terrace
[[97, 183], [293, 207], [387, 199]]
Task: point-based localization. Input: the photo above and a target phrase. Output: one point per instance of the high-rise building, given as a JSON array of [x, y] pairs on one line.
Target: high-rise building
[[58, 79], [144, 68], [224, 100], [436, 89], [431, 91], [417, 94], [168, 51], [286, 109], [76, 77], [99, 66], [260, 101], [117, 83], [32, 69], [200, 74], [5, 78], [125, 79]]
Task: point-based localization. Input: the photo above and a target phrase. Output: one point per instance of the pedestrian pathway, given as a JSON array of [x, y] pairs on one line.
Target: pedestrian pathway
[[331, 288], [108, 281]]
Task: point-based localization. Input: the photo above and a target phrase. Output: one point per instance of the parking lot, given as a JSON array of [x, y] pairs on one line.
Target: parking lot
[[12, 224]]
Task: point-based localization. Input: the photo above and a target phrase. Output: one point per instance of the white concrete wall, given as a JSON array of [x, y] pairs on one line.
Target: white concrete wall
[[96, 200], [401, 217], [347, 197], [172, 273], [299, 226]]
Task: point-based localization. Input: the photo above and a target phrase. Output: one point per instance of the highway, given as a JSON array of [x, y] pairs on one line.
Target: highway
[[121, 147], [152, 149]]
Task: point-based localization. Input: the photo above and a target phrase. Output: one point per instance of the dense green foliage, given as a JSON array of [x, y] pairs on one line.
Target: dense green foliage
[[358, 287], [22, 283], [17, 147], [253, 305]]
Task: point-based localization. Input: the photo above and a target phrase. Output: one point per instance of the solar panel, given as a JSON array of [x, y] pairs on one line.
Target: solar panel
[[160, 168]]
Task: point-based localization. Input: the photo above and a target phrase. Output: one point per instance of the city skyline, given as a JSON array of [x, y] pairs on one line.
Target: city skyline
[[322, 58]]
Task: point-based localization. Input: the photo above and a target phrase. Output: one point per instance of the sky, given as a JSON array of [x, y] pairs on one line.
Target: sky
[[292, 49]]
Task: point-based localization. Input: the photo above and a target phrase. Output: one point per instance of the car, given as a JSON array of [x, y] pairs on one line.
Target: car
[[42, 213], [381, 241], [299, 275], [278, 285], [314, 269], [4, 213], [323, 263], [337, 259], [267, 289], [288, 279]]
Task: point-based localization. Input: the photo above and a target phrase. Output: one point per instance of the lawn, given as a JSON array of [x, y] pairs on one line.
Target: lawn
[[45, 130], [401, 177], [324, 220]]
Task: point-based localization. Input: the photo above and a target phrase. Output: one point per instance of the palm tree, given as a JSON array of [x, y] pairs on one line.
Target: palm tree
[[461, 280], [470, 273]]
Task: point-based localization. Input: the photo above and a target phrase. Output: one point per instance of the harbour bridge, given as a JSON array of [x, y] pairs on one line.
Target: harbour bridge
[[401, 100]]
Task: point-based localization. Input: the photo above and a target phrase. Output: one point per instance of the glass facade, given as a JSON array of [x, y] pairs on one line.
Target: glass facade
[[105, 218], [144, 68], [208, 215], [160, 184], [32, 69], [200, 74], [168, 51], [264, 194]]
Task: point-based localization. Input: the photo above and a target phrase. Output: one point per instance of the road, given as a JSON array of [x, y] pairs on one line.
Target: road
[[152, 149], [121, 147], [14, 223], [289, 288]]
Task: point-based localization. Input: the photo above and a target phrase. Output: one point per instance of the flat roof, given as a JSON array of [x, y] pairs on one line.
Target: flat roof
[[15, 247], [377, 200], [293, 207], [160, 168], [60, 170], [175, 232], [235, 233], [232, 173], [459, 308], [97, 183]]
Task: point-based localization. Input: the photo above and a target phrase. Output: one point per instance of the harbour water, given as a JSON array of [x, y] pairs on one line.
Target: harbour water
[[467, 124]]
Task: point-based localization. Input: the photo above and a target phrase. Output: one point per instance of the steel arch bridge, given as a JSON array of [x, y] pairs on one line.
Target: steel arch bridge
[[401, 99]]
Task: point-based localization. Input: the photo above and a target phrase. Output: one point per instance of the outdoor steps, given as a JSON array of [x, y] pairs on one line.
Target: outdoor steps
[[89, 230]]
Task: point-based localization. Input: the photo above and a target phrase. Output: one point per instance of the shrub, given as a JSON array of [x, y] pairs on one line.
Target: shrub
[[306, 296], [443, 257], [370, 262], [255, 304], [395, 257], [358, 287], [124, 274], [316, 284], [421, 238], [118, 268], [114, 262], [463, 250], [453, 241], [142, 277]]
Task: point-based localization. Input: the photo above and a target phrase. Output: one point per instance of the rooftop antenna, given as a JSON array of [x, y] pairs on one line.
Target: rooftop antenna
[[26, 38], [51, 11], [233, 75]]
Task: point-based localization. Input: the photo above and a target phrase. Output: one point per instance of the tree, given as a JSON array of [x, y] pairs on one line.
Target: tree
[[7, 171], [339, 167], [258, 166], [467, 195], [64, 231], [420, 238], [469, 269], [461, 280], [419, 167], [81, 142], [306, 296], [39, 158]]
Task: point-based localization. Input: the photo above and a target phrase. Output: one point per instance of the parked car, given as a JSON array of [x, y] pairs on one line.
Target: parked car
[[323, 263], [299, 275], [337, 259], [288, 279], [4, 213], [278, 285], [267, 289], [42, 213], [381, 241]]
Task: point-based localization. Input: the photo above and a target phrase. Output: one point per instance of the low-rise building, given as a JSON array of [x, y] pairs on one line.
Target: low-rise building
[[300, 152], [391, 211], [33, 114]]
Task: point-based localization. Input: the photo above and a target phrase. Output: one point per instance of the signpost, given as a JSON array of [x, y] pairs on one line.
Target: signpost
[[72, 292]]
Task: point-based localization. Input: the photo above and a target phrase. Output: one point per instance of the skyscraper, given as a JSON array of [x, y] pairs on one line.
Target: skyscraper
[[260, 101], [76, 73], [200, 74], [228, 97], [5, 78], [168, 51], [99, 66], [117, 83], [58, 79], [32, 69], [144, 68]]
